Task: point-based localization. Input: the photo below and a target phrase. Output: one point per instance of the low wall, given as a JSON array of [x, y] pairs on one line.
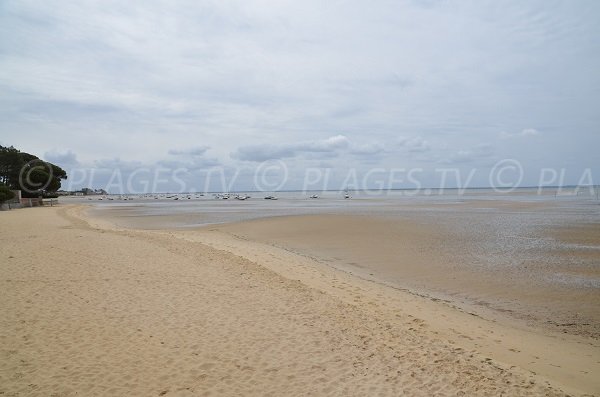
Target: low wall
[[19, 202], [13, 203], [31, 202], [28, 202]]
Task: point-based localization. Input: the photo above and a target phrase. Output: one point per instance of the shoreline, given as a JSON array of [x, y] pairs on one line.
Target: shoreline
[[477, 255], [386, 318], [424, 267], [509, 340]]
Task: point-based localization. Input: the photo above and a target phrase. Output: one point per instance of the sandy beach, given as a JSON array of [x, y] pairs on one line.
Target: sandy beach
[[299, 198], [90, 308]]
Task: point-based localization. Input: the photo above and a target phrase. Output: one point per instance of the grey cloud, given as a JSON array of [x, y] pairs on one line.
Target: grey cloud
[[137, 78], [196, 151], [367, 149], [65, 160], [263, 153], [414, 144], [480, 152], [194, 164], [530, 132], [192, 159], [271, 152], [523, 133], [118, 164]]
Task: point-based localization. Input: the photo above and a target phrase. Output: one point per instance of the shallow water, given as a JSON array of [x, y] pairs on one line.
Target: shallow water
[[537, 256], [202, 210]]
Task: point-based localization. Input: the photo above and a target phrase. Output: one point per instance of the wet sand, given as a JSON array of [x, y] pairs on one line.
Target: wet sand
[[553, 288], [535, 260], [96, 310]]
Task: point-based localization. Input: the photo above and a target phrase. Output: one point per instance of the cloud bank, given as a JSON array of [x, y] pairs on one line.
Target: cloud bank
[[391, 84]]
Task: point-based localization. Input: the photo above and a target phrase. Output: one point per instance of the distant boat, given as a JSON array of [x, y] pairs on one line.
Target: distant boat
[[314, 196], [270, 198], [346, 196]]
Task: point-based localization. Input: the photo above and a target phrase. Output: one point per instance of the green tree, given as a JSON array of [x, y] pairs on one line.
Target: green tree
[[11, 162], [26, 172], [5, 194]]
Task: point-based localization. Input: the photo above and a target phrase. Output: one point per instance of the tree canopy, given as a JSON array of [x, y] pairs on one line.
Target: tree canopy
[[5, 193], [28, 173]]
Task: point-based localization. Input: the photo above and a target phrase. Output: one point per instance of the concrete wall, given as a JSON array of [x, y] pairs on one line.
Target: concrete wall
[[20, 202], [31, 202], [14, 203]]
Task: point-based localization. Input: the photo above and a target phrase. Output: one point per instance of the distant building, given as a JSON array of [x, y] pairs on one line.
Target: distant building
[[86, 191], [93, 192]]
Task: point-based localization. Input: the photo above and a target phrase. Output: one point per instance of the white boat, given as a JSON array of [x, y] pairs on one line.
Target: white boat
[[314, 196]]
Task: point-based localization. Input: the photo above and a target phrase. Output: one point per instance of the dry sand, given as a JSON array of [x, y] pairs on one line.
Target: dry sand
[[88, 309]]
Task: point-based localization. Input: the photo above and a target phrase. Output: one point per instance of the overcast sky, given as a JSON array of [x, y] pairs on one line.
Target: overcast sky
[[326, 84]]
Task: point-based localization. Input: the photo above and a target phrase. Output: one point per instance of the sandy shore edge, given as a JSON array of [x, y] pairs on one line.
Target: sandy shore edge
[[567, 361]]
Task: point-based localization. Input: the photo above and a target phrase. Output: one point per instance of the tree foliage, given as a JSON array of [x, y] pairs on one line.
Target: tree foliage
[[26, 172], [5, 194]]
